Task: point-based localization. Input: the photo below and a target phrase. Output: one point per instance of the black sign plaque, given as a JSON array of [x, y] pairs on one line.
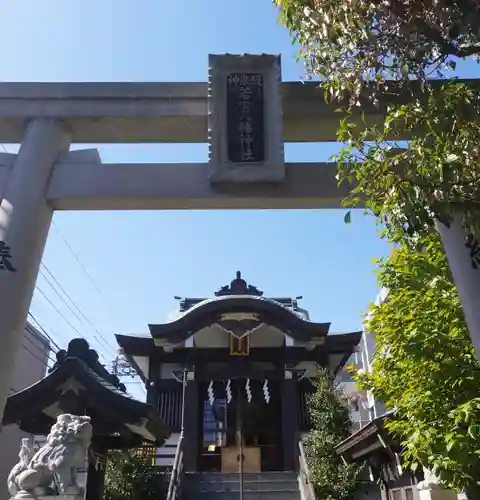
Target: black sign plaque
[[245, 118]]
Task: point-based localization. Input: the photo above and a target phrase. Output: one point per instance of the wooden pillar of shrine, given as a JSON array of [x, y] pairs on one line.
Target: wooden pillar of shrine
[[97, 468], [289, 420], [191, 426]]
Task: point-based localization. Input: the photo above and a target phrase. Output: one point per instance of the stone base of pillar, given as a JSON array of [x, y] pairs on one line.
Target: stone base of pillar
[[432, 490], [437, 494], [48, 497]]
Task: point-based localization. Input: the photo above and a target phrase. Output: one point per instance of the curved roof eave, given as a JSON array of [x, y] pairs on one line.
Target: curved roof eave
[[207, 312], [134, 345], [361, 438], [44, 393]]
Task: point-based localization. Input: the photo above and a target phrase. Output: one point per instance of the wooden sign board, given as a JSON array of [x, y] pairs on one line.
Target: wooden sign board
[[239, 346], [245, 119], [148, 452]]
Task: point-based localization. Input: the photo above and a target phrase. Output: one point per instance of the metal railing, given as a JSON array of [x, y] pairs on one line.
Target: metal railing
[[303, 472], [176, 479]]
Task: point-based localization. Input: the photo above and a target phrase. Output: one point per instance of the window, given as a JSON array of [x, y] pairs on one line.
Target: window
[[213, 419], [343, 376]]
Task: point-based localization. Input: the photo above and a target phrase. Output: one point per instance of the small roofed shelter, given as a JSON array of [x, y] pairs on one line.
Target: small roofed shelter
[[79, 384], [374, 446], [247, 363]]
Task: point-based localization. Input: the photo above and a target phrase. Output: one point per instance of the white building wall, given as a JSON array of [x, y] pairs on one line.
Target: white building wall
[[30, 366], [166, 453], [368, 350], [359, 415]]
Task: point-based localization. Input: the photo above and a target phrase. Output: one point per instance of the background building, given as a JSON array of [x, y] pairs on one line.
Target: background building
[[359, 413], [30, 366], [364, 406], [370, 442], [368, 349]]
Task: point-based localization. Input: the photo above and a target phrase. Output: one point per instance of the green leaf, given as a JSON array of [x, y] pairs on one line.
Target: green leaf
[[130, 476], [329, 413], [425, 364], [451, 158], [348, 217]]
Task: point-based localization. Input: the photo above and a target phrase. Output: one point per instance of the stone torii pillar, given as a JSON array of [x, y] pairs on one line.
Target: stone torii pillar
[[25, 219], [463, 254]]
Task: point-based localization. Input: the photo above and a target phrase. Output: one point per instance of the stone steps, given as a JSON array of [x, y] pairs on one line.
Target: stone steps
[[234, 476], [227, 486], [247, 495], [256, 486]]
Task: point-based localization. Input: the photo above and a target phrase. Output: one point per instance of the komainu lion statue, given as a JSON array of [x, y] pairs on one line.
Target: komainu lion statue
[[56, 462], [25, 455]]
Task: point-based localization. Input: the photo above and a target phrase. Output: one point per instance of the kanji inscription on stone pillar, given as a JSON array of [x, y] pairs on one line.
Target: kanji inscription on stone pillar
[[6, 258]]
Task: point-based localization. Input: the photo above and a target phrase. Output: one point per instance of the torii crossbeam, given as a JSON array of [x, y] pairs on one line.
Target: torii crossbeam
[[45, 118]]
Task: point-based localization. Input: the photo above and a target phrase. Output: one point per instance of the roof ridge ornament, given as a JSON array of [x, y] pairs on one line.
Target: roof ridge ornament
[[239, 286], [79, 348]]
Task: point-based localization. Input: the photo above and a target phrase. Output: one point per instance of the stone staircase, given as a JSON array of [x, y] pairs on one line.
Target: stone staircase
[[256, 486]]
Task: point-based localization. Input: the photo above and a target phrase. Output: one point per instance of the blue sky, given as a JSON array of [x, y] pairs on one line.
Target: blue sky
[[137, 261]]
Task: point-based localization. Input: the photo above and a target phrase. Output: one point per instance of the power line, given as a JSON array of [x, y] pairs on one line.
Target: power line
[[26, 337], [42, 329], [77, 258], [41, 351], [57, 293], [43, 362], [63, 316], [98, 335], [58, 311], [100, 338]]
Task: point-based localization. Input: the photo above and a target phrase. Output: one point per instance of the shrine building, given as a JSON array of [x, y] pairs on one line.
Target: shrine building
[[79, 384], [235, 371]]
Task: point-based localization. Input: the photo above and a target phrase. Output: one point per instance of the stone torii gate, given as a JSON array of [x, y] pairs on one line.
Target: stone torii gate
[[244, 112]]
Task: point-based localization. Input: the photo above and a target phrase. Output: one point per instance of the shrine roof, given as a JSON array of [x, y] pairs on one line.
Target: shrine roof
[[334, 351], [339, 343], [368, 440], [240, 305], [262, 309], [79, 384]]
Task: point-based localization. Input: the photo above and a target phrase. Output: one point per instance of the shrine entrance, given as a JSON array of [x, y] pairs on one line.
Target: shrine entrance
[[244, 420], [244, 112], [242, 377], [246, 167]]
